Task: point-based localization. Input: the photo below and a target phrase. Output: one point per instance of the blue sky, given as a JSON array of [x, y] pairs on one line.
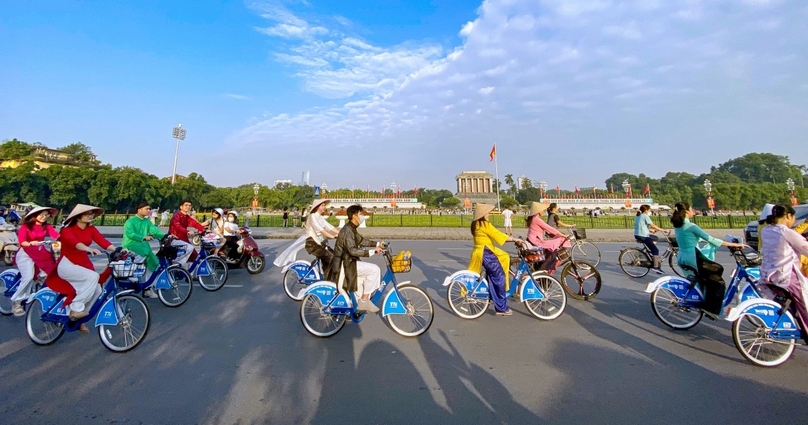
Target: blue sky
[[369, 92]]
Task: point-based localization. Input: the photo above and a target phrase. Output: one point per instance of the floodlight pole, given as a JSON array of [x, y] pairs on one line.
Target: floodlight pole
[[179, 134]]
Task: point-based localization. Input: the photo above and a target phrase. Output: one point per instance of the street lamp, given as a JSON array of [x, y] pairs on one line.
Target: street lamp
[[393, 187], [542, 188], [323, 188], [708, 186], [790, 185], [179, 134], [626, 187]]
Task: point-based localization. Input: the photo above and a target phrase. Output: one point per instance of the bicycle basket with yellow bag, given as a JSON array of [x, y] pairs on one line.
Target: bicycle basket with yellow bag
[[401, 262]]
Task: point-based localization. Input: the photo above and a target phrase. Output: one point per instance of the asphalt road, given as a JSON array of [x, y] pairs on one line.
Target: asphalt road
[[240, 355]]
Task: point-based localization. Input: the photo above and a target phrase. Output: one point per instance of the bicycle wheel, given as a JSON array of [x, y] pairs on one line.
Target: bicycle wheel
[[315, 321], [751, 337], [463, 303], [585, 251], [581, 281], [218, 275], [181, 287], [5, 305], [41, 332], [674, 265], [132, 327], [555, 302], [420, 311], [667, 309], [292, 285], [634, 262]]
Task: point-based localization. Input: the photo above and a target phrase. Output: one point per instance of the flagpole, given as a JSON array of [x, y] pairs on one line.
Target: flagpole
[[496, 170]]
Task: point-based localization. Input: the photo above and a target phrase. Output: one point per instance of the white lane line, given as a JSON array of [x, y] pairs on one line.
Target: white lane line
[[227, 285]]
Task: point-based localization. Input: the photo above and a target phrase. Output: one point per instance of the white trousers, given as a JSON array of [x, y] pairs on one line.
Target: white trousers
[[83, 280], [26, 267], [368, 277], [189, 248]]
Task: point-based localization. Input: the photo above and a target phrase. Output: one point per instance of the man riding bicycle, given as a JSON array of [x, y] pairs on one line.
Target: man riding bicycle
[[178, 227]]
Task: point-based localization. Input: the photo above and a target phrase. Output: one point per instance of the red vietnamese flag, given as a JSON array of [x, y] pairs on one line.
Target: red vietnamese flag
[[416, 190], [576, 190], [647, 190], [493, 153]]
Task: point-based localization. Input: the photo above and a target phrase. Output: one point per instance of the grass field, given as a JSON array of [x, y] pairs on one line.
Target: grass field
[[426, 220]]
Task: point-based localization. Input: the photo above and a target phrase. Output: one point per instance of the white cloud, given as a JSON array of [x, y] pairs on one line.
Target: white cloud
[[575, 72], [236, 96]]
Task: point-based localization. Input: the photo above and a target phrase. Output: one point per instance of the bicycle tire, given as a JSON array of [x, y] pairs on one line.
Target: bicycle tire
[[673, 263], [6, 305], [585, 251], [581, 281], [555, 302], [218, 275], [462, 303], [752, 346], [177, 295], [665, 305], [131, 329], [33, 320], [315, 321], [420, 311], [292, 284], [632, 262]]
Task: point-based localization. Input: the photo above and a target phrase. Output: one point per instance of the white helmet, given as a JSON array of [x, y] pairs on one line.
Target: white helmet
[[220, 211], [233, 212]]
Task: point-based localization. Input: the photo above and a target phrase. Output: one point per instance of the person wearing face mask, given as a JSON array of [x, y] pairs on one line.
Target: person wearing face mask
[[33, 259], [782, 247], [217, 222], [230, 233]]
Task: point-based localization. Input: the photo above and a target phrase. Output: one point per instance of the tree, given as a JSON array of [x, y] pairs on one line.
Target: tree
[[15, 149], [81, 153], [758, 168], [511, 184]]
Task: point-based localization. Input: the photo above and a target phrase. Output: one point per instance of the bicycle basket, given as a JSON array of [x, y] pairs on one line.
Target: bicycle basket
[[563, 254], [579, 233], [532, 256], [402, 262], [122, 269], [747, 259]]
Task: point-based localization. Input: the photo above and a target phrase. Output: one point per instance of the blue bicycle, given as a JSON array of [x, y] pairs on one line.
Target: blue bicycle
[[406, 307], [122, 318], [678, 302], [172, 283], [765, 331], [210, 270], [545, 298], [11, 281], [299, 275]]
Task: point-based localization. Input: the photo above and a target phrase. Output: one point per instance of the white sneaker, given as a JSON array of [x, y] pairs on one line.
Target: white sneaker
[[149, 293], [366, 305]]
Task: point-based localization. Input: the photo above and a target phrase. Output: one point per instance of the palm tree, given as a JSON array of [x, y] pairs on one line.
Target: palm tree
[[511, 184]]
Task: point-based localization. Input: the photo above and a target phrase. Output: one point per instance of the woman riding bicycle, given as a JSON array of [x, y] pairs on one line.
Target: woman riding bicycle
[[33, 258], [643, 227], [318, 230], [781, 258], [485, 255], [688, 236], [552, 217], [74, 265], [536, 229]]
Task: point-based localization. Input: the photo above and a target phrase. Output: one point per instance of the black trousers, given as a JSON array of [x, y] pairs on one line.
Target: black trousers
[[322, 252]]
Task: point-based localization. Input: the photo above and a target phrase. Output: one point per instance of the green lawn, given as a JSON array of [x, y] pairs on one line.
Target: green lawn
[[425, 220]]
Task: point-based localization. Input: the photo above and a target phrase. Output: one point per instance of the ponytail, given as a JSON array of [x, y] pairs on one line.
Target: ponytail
[[778, 212], [679, 214], [643, 208]]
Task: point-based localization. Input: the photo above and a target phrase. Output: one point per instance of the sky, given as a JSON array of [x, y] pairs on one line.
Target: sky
[[367, 93]]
